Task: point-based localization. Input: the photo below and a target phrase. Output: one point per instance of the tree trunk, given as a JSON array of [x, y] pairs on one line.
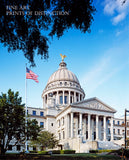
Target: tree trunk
[[2, 149]]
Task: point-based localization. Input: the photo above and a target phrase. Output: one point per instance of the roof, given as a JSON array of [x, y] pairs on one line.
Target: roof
[[63, 74], [94, 103]]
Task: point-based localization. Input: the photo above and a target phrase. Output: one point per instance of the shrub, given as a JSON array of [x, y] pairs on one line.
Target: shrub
[[67, 151], [105, 150], [42, 152], [32, 151], [93, 151], [126, 153], [56, 152]]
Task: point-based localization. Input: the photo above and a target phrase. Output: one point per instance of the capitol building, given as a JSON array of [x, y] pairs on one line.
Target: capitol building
[[80, 124]]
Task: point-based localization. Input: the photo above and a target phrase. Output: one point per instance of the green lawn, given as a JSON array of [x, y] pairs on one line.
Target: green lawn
[[88, 156], [77, 156]]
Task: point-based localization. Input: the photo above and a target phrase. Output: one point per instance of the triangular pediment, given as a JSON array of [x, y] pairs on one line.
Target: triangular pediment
[[94, 103]]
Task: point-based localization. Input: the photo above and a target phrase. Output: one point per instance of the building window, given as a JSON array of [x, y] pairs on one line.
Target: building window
[[65, 100], [108, 121], [102, 123], [108, 130], [65, 83], [118, 122], [59, 123], [42, 114], [70, 99], [10, 147], [113, 121], [63, 121], [51, 124], [18, 147], [63, 135], [113, 131], [59, 136], [42, 124], [119, 131], [34, 113], [61, 99]]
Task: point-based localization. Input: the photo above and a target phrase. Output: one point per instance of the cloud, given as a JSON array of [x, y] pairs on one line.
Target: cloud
[[119, 18], [116, 9]]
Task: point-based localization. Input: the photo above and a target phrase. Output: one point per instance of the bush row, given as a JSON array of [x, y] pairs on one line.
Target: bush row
[[101, 151], [57, 152]]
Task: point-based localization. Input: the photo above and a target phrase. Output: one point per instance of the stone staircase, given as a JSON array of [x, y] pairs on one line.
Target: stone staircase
[[108, 145]]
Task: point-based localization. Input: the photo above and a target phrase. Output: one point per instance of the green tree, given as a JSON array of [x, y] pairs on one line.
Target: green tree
[[45, 140], [12, 121], [31, 33]]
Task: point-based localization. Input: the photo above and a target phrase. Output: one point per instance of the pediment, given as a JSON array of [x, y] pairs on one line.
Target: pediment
[[94, 103]]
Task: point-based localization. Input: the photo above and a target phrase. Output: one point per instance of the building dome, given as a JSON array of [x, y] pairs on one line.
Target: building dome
[[63, 86], [63, 74]]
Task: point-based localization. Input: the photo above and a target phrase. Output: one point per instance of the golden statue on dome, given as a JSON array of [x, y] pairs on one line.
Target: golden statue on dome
[[63, 57]]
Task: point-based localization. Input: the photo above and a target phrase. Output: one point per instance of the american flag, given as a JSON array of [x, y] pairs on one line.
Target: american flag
[[31, 75]]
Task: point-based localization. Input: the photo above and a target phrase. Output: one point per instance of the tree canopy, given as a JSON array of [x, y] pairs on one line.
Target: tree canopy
[[12, 121], [30, 32], [45, 140]]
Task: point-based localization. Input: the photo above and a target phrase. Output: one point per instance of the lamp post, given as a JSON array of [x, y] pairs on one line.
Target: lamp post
[[125, 127]]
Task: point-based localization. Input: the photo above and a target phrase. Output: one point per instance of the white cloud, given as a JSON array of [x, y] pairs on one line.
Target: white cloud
[[116, 9], [119, 18], [118, 33]]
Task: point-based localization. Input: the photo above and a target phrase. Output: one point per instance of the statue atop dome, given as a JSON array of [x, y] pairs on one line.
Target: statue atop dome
[[63, 57]]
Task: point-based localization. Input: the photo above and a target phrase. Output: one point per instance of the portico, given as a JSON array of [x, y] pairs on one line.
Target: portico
[[82, 120], [87, 125]]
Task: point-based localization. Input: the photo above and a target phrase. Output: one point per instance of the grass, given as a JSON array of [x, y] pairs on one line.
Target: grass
[[77, 156], [88, 155]]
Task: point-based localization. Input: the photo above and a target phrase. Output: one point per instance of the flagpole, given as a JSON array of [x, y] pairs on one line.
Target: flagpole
[[26, 149]]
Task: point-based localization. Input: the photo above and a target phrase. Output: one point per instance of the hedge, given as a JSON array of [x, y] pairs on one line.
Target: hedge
[[101, 151], [67, 151], [42, 152], [56, 152]]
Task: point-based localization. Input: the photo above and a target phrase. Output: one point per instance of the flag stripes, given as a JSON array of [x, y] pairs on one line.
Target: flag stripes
[[31, 75]]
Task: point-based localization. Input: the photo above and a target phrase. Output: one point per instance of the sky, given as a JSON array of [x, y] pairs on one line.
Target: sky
[[99, 59]]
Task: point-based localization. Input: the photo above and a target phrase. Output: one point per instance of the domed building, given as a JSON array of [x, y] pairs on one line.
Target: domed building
[[79, 124], [64, 87]]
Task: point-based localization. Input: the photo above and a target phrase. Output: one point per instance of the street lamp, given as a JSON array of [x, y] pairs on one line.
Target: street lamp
[[125, 126]]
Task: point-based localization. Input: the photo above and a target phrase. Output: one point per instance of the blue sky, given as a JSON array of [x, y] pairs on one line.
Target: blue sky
[[100, 60]]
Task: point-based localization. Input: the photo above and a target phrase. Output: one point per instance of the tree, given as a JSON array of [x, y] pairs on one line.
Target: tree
[[31, 31], [45, 140], [12, 121]]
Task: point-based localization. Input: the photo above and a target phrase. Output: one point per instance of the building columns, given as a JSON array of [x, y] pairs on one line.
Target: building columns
[[89, 125], [71, 124], [112, 129], [80, 122], [97, 127], [104, 128], [75, 97], [69, 97], [79, 97], [57, 98]]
